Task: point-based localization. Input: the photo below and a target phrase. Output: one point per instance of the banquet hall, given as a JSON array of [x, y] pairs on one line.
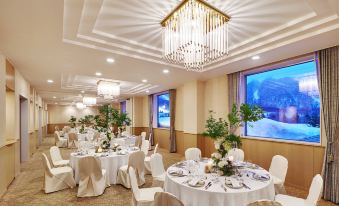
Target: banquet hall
[[169, 102]]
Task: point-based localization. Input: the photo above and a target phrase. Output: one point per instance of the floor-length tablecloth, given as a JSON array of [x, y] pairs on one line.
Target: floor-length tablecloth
[[110, 163], [215, 195]]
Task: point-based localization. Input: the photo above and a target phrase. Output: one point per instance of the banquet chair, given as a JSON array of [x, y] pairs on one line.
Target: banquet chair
[[56, 157], [92, 178], [72, 140], [135, 160], [125, 134], [147, 160], [59, 141], [157, 169], [56, 128], [312, 198], [278, 170], [193, 154], [143, 136], [138, 141], [56, 179], [96, 136], [237, 154], [166, 199], [144, 146], [143, 196]]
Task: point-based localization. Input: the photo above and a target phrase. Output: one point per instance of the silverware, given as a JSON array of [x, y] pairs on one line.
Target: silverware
[[246, 186], [209, 184], [223, 187]]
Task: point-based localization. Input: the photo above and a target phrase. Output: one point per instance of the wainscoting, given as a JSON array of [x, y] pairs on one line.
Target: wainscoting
[[7, 165], [304, 161], [138, 130], [51, 127]]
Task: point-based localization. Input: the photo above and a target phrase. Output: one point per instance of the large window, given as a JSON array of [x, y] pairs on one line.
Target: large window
[[163, 110], [289, 97]]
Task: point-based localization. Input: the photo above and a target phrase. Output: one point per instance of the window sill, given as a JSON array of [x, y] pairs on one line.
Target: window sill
[[283, 141], [162, 128]]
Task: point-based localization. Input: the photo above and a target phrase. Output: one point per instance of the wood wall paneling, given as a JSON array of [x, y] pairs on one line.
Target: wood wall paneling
[[51, 127], [138, 130], [7, 163]]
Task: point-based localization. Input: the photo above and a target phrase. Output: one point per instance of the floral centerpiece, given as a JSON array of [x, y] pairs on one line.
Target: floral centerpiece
[[224, 134]]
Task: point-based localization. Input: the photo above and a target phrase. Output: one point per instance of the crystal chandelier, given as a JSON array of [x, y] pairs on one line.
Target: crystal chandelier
[[108, 89], [194, 34], [89, 100]]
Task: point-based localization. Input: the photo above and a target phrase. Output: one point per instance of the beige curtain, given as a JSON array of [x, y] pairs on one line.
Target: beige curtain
[[150, 127], [233, 89], [329, 91], [172, 96]]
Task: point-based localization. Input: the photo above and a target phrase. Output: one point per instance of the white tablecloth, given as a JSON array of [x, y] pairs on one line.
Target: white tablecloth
[[110, 163], [215, 195], [124, 141]]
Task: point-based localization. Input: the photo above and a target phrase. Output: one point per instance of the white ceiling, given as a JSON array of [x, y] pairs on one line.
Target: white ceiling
[[68, 41]]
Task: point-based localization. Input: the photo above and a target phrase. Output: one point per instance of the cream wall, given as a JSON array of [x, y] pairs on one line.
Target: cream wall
[[179, 110], [2, 99], [59, 114], [145, 112], [10, 116]]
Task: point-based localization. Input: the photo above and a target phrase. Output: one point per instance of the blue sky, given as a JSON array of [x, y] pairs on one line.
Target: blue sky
[[294, 71]]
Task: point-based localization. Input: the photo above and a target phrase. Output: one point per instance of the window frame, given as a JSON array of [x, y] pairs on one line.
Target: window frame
[[156, 111], [271, 67]]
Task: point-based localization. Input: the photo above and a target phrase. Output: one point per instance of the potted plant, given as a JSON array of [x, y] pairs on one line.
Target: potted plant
[[72, 121], [120, 120], [224, 133]]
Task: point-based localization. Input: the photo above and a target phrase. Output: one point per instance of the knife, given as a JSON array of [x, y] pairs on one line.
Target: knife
[[246, 186], [208, 185]]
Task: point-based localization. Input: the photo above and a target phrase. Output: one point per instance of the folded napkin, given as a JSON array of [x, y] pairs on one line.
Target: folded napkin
[[235, 183], [194, 181], [176, 172], [261, 176]]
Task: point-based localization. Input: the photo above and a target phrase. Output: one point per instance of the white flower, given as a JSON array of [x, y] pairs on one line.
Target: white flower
[[216, 145], [222, 163], [217, 155]]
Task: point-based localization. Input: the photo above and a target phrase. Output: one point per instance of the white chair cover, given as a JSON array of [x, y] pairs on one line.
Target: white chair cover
[[166, 199], [157, 169], [144, 196], [238, 154], [92, 177], [278, 170], [312, 198], [56, 179], [125, 134], [193, 154], [138, 141], [143, 136], [135, 160], [147, 161], [56, 157], [72, 140], [145, 146], [59, 142]]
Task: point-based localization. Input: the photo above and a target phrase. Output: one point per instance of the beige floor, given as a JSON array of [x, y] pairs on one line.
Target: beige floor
[[26, 189]]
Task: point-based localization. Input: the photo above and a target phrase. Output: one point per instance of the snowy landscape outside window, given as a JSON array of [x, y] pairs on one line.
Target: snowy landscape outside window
[[290, 99], [163, 110]]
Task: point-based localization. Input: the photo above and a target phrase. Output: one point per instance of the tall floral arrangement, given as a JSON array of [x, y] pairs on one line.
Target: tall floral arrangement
[[223, 132]]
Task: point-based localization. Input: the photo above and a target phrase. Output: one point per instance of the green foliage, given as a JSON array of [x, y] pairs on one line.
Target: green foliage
[[215, 128], [220, 128], [72, 120]]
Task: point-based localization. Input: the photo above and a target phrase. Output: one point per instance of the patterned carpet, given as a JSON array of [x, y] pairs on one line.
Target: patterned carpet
[[27, 187]]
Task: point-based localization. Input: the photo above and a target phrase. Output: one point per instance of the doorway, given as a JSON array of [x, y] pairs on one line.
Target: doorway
[[24, 138]]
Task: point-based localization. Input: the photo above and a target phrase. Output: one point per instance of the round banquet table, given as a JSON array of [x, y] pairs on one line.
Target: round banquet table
[[124, 141], [215, 194], [110, 163]]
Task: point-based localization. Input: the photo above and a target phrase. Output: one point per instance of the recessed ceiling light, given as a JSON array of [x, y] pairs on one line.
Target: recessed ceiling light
[[256, 57], [110, 60], [82, 91], [50, 81], [56, 103], [98, 73], [165, 71], [144, 80], [54, 97], [147, 91]]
